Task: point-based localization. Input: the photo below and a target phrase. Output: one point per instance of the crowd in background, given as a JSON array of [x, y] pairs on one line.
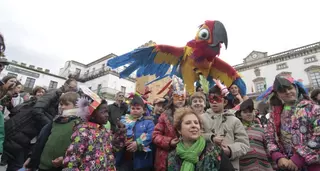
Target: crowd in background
[[71, 128]]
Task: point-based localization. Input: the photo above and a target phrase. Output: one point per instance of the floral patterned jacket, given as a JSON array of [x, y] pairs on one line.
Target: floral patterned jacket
[[305, 135], [92, 148]]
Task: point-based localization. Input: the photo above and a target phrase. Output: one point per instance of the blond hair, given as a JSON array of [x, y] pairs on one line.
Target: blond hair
[[180, 113], [199, 95]]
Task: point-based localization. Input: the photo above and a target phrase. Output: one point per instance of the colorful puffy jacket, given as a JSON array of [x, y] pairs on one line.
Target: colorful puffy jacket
[[305, 135]]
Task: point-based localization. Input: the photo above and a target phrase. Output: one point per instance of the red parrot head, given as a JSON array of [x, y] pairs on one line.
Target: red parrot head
[[212, 34]]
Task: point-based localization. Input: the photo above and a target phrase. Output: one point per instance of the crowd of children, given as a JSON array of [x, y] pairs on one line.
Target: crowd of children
[[201, 132]]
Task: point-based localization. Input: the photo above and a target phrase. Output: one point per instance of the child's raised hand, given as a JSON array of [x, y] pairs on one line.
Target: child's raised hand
[[132, 147], [174, 142], [218, 140], [57, 162], [119, 124]]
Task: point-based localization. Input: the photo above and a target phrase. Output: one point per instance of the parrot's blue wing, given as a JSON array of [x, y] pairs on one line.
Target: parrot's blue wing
[[153, 60]]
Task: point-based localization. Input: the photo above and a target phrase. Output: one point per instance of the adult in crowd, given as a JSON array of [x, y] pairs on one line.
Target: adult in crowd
[[193, 152], [20, 132], [46, 107], [117, 109], [3, 60]]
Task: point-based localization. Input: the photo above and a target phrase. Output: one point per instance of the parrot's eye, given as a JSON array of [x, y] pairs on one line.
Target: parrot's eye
[[203, 34]]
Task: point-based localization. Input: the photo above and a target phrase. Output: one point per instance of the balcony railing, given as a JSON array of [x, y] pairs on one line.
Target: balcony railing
[[108, 92], [100, 72]]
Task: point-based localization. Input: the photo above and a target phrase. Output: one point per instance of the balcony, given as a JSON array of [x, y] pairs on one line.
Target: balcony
[[100, 72], [108, 93]]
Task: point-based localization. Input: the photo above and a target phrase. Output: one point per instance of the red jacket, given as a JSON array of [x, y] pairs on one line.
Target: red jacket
[[162, 135]]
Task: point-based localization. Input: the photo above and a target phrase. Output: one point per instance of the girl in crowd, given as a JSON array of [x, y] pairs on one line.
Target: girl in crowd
[[164, 135], [92, 145], [293, 129], [235, 97], [193, 152], [256, 158]]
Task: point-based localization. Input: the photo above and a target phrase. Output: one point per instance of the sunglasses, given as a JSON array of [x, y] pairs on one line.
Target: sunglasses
[[177, 97], [215, 98]]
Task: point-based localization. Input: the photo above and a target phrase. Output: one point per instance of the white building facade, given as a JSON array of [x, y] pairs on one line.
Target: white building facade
[[259, 69], [100, 78], [31, 76]]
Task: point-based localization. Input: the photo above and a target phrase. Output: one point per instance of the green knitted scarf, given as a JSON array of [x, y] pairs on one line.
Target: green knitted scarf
[[190, 155]]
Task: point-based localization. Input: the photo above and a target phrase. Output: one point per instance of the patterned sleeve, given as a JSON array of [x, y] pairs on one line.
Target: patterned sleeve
[[79, 144], [118, 139], [158, 137], [145, 139], [307, 123], [270, 137]]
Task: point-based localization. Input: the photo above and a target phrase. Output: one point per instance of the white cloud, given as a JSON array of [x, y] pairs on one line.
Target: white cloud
[[84, 31]]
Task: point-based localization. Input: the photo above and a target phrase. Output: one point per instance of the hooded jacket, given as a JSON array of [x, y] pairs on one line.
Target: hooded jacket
[[229, 125]]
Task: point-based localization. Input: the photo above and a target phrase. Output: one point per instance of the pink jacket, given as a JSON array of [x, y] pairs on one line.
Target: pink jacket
[[305, 130]]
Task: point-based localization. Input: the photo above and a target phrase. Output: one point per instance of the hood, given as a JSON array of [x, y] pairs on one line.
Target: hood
[[228, 112]]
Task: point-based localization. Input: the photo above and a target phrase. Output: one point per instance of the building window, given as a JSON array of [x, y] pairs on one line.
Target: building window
[[29, 83], [260, 86], [282, 66], [315, 79], [310, 59], [123, 89], [314, 76], [53, 85], [12, 74]]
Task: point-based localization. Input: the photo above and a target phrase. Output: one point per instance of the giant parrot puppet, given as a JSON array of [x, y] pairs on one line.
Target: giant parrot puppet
[[198, 57]]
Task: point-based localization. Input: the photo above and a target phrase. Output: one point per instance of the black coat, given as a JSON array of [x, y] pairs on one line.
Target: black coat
[[115, 113], [46, 108], [20, 129]]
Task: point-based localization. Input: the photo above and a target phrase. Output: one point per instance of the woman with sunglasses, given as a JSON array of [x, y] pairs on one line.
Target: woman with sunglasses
[[293, 130], [224, 128]]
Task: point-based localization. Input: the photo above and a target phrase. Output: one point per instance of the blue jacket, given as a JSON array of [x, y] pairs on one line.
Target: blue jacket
[[143, 158]]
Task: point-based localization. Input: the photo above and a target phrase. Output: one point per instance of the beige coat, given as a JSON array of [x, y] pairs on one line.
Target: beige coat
[[235, 134]]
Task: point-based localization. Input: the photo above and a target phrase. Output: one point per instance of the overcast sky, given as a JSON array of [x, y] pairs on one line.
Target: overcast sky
[[46, 34]]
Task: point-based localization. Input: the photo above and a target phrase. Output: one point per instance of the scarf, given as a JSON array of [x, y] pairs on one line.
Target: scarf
[[190, 156]]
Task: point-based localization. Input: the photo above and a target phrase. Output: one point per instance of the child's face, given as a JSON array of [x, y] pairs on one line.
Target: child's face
[[136, 111], [158, 108], [66, 106], [179, 100], [197, 104], [217, 103], [101, 114], [247, 115]]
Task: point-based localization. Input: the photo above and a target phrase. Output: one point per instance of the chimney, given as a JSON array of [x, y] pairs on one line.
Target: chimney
[[31, 66], [39, 68], [23, 64], [47, 70]]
